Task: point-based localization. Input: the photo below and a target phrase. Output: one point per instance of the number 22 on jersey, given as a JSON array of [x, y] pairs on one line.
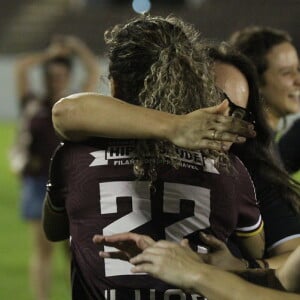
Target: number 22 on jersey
[[139, 192]]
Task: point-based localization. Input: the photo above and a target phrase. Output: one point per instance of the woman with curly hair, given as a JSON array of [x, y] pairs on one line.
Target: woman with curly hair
[[155, 185]]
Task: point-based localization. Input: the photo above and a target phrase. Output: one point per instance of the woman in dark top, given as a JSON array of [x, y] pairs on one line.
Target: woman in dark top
[[37, 140], [278, 195]]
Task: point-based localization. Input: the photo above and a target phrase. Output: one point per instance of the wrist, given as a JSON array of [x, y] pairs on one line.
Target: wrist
[[78, 48], [283, 279], [263, 264], [169, 127], [254, 264], [198, 277], [244, 264]]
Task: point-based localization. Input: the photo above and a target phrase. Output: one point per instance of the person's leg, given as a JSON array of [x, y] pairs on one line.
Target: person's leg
[[40, 262], [33, 193]]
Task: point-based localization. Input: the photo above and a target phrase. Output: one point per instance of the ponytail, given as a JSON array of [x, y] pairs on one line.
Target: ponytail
[[160, 63]]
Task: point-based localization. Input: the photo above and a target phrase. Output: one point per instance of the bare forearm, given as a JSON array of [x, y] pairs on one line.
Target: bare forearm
[[90, 114], [289, 272], [22, 68], [217, 284], [275, 262], [91, 65]]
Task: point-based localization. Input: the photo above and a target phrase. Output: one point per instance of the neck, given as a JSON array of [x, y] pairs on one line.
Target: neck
[[273, 119]]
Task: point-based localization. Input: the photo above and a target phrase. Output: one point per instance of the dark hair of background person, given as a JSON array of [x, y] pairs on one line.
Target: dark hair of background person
[[160, 63], [65, 61], [255, 42], [255, 153]]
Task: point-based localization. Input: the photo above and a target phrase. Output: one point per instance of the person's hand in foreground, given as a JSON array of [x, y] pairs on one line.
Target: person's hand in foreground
[[129, 244]]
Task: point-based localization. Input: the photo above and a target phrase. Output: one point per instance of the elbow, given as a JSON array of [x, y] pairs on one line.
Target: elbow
[[63, 113]]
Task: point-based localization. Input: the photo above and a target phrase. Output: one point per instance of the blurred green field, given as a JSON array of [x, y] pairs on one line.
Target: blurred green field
[[14, 243]]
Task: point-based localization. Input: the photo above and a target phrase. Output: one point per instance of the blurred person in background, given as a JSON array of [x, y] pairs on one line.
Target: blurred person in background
[[289, 149], [277, 64], [37, 140]]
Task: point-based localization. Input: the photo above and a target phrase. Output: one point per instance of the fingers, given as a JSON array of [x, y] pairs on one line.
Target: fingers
[[144, 242], [147, 256], [212, 241], [218, 109], [144, 268], [124, 237], [125, 247], [121, 237], [141, 241], [211, 145], [225, 128], [129, 244], [185, 243], [98, 239], [158, 249], [114, 255], [222, 136], [211, 119], [105, 240], [234, 125]]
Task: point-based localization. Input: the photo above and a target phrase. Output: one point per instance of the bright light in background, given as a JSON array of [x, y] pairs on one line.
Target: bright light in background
[[141, 6]]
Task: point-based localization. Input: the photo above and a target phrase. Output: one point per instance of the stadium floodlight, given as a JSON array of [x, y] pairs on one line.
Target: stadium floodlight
[[141, 6]]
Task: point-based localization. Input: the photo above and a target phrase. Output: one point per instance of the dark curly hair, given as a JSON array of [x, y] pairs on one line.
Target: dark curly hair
[[159, 63]]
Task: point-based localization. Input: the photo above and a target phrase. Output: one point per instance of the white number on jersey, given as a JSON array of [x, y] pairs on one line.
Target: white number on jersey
[[141, 213]]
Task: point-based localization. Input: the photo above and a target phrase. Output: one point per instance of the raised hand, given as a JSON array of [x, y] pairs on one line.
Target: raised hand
[[210, 128], [219, 254], [174, 263], [57, 48], [130, 244]]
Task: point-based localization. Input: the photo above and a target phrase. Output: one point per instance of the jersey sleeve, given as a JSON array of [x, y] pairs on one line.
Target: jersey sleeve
[[250, 221], [56, 187], [282, 223]]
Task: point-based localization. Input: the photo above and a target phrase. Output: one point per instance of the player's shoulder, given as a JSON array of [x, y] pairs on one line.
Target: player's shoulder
[[238, 165], [58, 155], [97, 143], [95, 152]]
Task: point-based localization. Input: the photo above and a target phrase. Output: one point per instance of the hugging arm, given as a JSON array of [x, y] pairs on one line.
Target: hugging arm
[[84, 115], [180, 266]]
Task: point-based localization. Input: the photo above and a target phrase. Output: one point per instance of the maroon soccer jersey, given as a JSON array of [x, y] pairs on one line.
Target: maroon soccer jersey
[[95, 180], [36, 139]]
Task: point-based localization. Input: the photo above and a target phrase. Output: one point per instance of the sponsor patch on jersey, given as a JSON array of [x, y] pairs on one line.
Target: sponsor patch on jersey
[[119, 155]]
